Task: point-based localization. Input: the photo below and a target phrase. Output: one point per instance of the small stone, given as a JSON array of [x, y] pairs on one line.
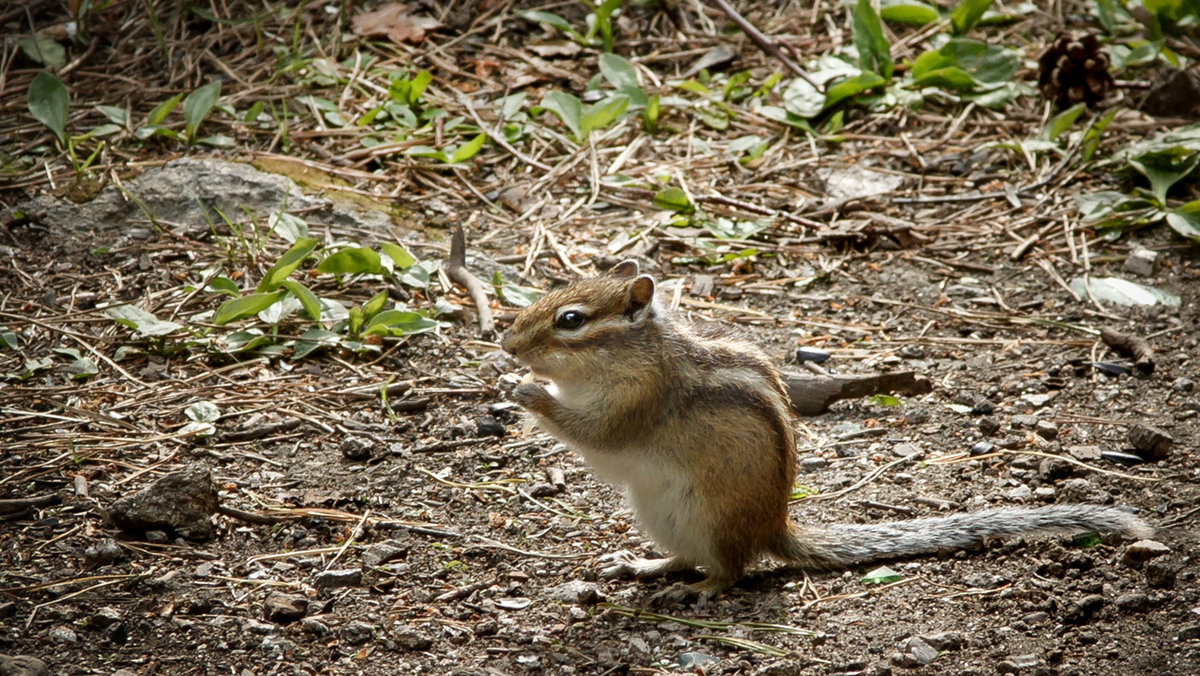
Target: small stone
[[1134, 601], [1044, 493], [117, 633], [1082, 611], [1037, 617], [1086, 452], [1191, 633], [488, 426], [315, 627], [988, 426], [1183, 385], [252, 626], [1023, 422], [813, 464], [906, 450], [181, 501], [158, 537], [1161, 574], [284, 608], [63, 635], [8, 609], [332, 579], [1151, 443], [1020, 493], [912, 352], [982, 448], [577, 592], [407, 638], [782, 668], [22, 665], [1054, 469], [102, 553], [1141, 261], [382, 552], [1046, 430], [1025, 661], [1142, 551], [695, 660], [811, 354], [542, 489], [945, 640], [359, 632], [983, 407], [921, 652], [103, 618], [356, 449]]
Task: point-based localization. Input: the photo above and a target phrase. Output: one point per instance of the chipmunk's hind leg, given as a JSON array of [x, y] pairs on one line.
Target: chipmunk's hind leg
[[626, 564]]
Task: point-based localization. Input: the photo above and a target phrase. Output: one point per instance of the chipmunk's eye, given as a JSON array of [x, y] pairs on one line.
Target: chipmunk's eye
[[571, 319]]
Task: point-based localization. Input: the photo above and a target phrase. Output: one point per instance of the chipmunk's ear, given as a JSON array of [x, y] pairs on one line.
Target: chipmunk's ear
[[641, 296], [627, 268]]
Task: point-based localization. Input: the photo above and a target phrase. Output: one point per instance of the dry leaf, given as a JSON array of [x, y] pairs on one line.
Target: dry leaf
[[393, 22]]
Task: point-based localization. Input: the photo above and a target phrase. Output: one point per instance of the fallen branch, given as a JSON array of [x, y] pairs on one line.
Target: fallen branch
[[22, 504], [764, 43], [813, 396], [457, 272]]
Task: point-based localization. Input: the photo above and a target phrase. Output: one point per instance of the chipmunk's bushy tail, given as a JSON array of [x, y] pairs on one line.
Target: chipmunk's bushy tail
[[844, 545]]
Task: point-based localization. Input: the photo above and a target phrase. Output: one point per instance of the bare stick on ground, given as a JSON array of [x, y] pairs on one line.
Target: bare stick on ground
[[1134, 346], [813, 396], [764, 43], [457, 272]]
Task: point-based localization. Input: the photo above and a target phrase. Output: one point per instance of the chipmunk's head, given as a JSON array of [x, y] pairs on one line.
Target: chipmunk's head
[[571, 331]]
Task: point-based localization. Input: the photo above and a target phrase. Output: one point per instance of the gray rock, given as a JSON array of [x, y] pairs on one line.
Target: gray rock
[[696, 660], [577, 592], [988, 426], [1083, 610], [357, 632], [1141, 261], [489, 426], [780, 668], [356, 448], [102, 553], [813, 464], [252, 626], [1150, 442], [182, 501], [103, 618], [1134, 601], [314, 626], [1142, 551], [906, 450], [283, 608], [22, 665], [63, 635], [1046, 430], [382, 552], [1161, 574], [1191, 633], [278, 647], [332, 579], [921, 651], [946, 640], [1183, 385], [1023, 422], [407, 638]]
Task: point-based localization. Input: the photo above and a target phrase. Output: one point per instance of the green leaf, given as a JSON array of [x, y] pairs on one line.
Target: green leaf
[[246, 306], [852, 86], [602, 114], [966, 14], [1091, 138], [417, 275], [139, 320], [82, 369], [467, 150], [881, 575], [399, 255], [1165, 168], [291, 228], [674, 199], [398, 323], [883, 400], [907, 11], [874, 53], [568, 108], [618, 71], [9, 339], [49, 103], [312, 306], [197, 106], [225, 285], [1185, 220], [203, 411], [162, 110], [314, 339], [550, 19], [43, 50], [118, 116], [373, 306], [351, 261], [965, 64], [1063, 121], [287, 264], [417, 88]]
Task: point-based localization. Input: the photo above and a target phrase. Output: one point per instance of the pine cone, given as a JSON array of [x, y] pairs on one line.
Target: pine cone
[[1073, 70]]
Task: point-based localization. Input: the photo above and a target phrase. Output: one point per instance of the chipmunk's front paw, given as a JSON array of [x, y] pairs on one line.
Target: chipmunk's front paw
[[530, 395]]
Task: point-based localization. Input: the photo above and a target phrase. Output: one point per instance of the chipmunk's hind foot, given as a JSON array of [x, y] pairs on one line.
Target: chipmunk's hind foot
[[627, 564]]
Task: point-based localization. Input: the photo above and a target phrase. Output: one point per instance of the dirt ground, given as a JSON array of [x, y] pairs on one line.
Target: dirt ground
[[446, 536]]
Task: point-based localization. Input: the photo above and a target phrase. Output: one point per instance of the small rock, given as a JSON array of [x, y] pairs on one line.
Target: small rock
[[906, 450], [314, 626], [1161, 574], [983, 407], [1023, 422], [1046, 430], [158, 537], [117, 633], [1020, 493], [982, 448], [1044, 493], [1054, 469], [1082, 611], [946, 640], [63, 635], [1024, 661], [488, 426], [912, 352], [1142, 551], [1141, 261], [1191, 633], [1085, 452], [253, 626], [1151, 443], [103, 618], [1183, 385], [8, 609], [485, 628], [332, 579], [781, 668], [695, 660], [813, 464], [382, 552], [407, 638], [284, 608], [1134, 601], [577, 592], [278, 647], [358, 632], [181, 501], [1037, 617], [22, 665], [921, 652], [356, 449], [102, 553], [542, 489], [1007, 667], [988, 426], [811, 354]]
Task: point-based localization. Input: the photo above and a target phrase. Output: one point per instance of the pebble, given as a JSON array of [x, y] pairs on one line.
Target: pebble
[[382, 552], [104, 618], [1150, 442], [577, 592], [1084, 452], [1083, 610], [1046, 430], [489, 426], [811, 354], [332, 579], [1023, 422], [181, 501], [1183, 385], [359, 632], [1037, 617], [311, 625], [906, 450], [983, 407], [1054, 469], [982, 448], [695, 660], [782, 668], [1121, 458], [1019, 493], [1161, 574], [22, 665], [813, 464], [1191, 633], [946, 640], [407, 638], [1134, 601], [284, 608], [988, 426], [63, 635], [1142, 551], [253, 626], [102, 553], [356, 448]]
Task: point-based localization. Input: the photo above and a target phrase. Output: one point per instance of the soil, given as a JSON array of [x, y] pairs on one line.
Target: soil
[[446, 536]]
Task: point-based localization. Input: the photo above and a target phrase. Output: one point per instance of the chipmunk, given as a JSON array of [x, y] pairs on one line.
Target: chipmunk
[[696, 426]]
